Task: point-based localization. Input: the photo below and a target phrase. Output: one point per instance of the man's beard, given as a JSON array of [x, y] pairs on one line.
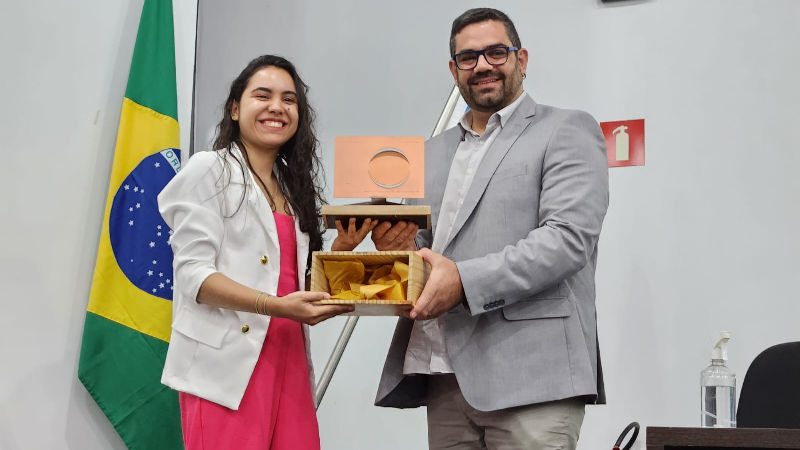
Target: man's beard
[[496, 100]]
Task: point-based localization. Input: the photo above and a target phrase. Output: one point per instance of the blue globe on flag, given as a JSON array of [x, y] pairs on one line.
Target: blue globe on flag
[[139, 236]]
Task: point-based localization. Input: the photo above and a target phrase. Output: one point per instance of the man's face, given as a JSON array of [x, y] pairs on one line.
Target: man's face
[[488, 88]]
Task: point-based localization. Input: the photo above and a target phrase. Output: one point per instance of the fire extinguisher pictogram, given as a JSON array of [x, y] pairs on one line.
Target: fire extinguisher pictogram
[[622, 143]]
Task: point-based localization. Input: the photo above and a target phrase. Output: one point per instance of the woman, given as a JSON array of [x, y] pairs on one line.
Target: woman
[[245, 218]]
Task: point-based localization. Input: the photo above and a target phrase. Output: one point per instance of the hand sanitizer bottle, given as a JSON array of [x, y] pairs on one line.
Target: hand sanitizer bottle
[[718, 387]]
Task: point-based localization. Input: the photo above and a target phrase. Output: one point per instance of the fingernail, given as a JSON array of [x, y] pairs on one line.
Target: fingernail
[[413, 314]]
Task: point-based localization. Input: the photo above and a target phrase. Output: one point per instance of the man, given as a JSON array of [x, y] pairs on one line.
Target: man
[[503, 349]]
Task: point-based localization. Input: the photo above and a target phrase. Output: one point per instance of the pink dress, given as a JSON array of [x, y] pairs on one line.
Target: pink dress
[[277, 411]]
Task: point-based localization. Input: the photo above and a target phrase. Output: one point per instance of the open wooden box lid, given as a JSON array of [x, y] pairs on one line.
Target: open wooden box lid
[[418, 271]]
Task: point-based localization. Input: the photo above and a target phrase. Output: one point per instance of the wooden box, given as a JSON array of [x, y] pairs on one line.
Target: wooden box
[[418, 271]]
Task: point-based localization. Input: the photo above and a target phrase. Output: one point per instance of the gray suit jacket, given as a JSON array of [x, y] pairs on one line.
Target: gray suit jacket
[[525, 243]]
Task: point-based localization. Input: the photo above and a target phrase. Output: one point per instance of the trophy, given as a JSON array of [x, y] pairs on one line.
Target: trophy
[[375, 167]]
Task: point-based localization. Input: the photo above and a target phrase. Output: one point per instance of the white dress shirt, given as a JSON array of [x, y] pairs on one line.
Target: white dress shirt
[[427, 352]]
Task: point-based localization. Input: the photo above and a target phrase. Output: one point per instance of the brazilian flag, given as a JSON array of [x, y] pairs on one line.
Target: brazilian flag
[[128, 318]]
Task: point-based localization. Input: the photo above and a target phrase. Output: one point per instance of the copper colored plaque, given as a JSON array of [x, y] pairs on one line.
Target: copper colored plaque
[[379, 167]]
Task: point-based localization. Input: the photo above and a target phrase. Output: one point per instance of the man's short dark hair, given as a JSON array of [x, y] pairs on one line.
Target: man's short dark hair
[[478, 15]]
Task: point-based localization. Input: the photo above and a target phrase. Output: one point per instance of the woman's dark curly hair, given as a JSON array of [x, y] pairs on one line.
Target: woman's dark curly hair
[[298, 163]]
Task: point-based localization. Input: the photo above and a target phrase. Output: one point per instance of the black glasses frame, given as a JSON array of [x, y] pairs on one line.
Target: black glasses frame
[[478, 54]]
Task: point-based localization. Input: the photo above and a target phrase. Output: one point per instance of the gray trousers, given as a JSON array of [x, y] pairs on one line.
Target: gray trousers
[[454, 425]]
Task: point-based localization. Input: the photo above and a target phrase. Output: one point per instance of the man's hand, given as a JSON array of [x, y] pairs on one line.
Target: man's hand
[[399, 236], [442, 292]]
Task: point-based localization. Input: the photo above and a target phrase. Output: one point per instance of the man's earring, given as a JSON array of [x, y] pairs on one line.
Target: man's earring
[[524, 75]]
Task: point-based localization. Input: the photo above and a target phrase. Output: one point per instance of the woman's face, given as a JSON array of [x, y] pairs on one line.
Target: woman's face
[[267, 112]]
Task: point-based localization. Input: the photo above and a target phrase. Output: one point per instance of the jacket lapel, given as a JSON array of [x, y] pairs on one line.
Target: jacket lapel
[[509, 134], [256, 201]]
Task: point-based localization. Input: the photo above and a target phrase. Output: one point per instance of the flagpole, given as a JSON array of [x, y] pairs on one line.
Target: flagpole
[[194, 82], [350, 325]]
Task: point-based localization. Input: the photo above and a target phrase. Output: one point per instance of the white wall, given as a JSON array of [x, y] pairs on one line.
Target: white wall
[[65, 66], [703, 238]]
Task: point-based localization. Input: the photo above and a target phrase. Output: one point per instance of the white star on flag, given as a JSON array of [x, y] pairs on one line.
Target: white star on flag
[[130, 223], [136, 189], [158, 165], [161, 285], [138, 205], [150, 273], [152, 244], [127, 187]]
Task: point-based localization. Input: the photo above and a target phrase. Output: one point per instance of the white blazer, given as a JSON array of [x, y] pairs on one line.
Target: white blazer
[[213, 351]]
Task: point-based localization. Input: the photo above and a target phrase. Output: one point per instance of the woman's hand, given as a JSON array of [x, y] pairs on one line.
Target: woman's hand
[[299, 306], [347, 240]]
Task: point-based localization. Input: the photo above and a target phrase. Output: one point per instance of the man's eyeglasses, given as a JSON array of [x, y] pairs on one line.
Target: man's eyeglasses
[[496, 56]]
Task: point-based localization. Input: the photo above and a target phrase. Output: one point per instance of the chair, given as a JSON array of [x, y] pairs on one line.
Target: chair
[[770, 395]]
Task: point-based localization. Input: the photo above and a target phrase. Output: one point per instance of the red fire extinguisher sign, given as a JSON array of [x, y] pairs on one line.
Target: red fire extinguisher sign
[[624, 142]]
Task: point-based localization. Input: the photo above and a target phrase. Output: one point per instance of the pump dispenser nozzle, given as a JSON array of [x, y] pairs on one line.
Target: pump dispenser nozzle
[[719, 341]]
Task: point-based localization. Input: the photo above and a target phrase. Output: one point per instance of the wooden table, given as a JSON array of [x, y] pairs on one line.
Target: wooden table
[[661, 438]]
